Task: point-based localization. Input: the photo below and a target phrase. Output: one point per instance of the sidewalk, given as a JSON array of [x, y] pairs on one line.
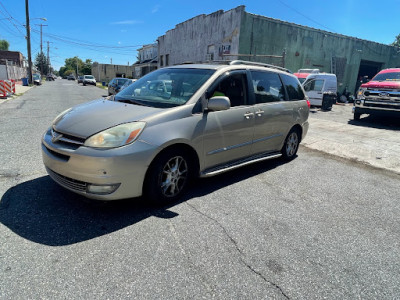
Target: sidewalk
[[19, 89], [377, 147]]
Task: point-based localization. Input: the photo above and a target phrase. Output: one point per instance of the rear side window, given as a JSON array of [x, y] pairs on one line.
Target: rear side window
[[293, 87], [267, 87], [314, 85]]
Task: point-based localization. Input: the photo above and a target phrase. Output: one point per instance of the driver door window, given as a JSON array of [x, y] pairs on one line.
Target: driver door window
[[233, 87]]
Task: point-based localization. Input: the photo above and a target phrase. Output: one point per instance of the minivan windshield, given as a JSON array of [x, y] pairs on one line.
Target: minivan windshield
[[165, 88]]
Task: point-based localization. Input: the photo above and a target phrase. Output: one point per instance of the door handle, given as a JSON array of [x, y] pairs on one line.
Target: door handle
[[259, 112], [248, 115]]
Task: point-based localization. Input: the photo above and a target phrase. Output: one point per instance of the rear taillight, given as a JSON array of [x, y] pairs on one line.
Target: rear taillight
[[308, 103]]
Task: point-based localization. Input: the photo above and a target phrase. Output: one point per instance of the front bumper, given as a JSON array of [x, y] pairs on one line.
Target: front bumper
[[376, 107], [77, 168], [89, 82]]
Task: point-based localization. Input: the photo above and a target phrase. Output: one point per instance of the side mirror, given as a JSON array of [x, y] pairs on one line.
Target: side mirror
[[218, 103]]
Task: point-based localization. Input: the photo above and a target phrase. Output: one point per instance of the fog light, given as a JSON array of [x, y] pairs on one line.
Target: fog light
[[102, 189]]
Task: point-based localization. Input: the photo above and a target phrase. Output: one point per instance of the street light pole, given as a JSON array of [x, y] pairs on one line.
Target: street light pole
[[28, 42]]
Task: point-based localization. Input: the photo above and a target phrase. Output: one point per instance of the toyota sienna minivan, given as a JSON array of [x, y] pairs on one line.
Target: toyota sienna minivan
[[173, 125]]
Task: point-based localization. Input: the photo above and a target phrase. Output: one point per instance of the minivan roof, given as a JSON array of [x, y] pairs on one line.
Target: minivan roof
[[322, 75]]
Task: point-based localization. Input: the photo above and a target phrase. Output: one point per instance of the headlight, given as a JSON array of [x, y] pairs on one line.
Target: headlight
[[360, 93], [117, 136], [58, 118]]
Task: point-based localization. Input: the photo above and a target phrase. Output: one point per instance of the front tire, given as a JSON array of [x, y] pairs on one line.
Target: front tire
[[357, 116], [168, 177], [291, 145]]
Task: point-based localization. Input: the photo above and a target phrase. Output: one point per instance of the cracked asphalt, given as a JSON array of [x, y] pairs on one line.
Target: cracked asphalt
[[319, 227]]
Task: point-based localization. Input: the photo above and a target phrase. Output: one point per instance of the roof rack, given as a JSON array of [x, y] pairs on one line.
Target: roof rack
[[245, 62]]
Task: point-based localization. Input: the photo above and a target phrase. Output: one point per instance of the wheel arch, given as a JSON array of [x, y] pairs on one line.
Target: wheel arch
[[189, 150], [299, 128]]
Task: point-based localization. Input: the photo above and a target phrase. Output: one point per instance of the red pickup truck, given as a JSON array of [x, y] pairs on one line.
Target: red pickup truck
[[381, 95]]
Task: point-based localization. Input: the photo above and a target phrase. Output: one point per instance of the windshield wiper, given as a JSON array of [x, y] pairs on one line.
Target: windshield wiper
[[131, 101]]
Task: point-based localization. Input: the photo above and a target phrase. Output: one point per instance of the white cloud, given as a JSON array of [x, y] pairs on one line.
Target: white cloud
[[155, 9], [119, 43], [126, 22]]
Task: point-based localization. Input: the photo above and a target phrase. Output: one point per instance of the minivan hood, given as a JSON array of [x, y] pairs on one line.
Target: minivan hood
[[382, 85], [89, 118]]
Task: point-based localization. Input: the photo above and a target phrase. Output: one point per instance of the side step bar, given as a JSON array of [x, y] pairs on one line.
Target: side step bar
[[237, 164]]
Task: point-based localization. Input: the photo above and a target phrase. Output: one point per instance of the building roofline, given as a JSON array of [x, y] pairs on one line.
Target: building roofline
[[221, 11], [317, 30]]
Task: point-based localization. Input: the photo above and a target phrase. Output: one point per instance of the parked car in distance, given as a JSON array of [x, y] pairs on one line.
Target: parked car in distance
[[37, 79], [127, 83], [317, 85], [380, 96], [115, 85], [50, 77], [71, 77], [214, 118], [302, 74], [80, 79], [88, 79]]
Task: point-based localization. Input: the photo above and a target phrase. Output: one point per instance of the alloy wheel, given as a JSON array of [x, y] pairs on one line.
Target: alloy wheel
[[292, 144], [174, 176]]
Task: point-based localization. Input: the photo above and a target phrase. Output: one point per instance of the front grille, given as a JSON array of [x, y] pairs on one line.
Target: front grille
[[67, 182], [386, 94], [66, 138], [58, 155]]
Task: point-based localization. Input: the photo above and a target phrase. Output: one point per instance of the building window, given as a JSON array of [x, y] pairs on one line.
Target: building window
[[161, 60], [166, 59]]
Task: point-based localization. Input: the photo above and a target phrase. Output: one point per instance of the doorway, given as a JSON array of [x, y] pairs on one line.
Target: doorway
[[367, 69]]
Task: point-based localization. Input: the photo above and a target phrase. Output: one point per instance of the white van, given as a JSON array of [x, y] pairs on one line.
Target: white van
[[316, 85]]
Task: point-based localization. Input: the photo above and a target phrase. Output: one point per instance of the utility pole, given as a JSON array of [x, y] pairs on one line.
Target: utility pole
[[28, 42], [48, 56], [41, 45]]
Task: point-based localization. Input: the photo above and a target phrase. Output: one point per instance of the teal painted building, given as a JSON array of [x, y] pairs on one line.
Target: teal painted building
[[237, 34]]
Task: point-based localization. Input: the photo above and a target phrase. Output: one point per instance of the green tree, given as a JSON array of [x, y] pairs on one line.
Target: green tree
[[69, 72], [87, 67], [74, 63], [396, 41], [62, 71], [4, 45], [42, 64]]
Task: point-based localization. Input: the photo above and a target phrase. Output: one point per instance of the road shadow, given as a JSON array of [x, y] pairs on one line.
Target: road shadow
[[378, 122], [43, 212]]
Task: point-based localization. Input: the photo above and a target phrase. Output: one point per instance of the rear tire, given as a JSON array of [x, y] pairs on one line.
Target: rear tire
[[168, 177], [291, 145]]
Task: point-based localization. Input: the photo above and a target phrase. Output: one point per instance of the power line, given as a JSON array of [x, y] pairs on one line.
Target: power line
[[10, 17], [288, 6], [93, 47]]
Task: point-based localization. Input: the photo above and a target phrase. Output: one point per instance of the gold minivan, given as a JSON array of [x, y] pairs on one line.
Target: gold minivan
[[174, 124]]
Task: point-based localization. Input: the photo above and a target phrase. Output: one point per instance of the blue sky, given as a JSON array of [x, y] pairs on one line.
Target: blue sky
[[105, 30]]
